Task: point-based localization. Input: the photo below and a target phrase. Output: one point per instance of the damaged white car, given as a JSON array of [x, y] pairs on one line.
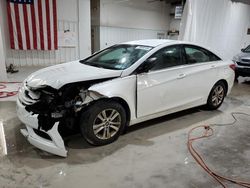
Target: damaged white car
[[117, 87]]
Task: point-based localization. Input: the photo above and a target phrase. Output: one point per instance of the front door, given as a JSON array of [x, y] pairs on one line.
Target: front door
[[161, 88]]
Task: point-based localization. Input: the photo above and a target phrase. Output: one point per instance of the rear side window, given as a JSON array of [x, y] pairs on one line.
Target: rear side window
[[167, 57], [195, 54]]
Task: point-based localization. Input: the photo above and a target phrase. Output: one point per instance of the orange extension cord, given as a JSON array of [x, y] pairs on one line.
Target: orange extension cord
[[5, 94], [208, 132]]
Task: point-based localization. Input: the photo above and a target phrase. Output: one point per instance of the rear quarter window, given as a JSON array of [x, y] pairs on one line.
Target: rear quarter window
[[195, 54]]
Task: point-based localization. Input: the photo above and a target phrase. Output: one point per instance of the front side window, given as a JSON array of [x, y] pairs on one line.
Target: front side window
[[198, 55], [167, 57], [118, 57]]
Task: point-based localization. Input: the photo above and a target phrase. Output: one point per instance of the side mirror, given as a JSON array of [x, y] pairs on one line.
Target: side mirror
[[242, 49], [147, 65]]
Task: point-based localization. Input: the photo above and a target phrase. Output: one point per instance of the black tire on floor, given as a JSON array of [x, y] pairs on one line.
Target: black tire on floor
[[95, 115], [236, 76], [211, 104]]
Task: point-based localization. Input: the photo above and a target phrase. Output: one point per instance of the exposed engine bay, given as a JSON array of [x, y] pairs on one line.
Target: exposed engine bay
[[61, 105]]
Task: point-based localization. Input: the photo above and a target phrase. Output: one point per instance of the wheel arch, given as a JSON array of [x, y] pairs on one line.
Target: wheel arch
[[224, 82], [209, 103], [119, 100], [124, 105]]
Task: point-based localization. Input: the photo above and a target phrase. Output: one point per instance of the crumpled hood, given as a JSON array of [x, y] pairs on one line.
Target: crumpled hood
[[59, 75]]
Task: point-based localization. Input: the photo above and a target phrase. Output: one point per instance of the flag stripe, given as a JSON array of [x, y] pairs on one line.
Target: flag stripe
[[55, 24], [22, 27], [51, 22], [12, 44], [45, 38], [33, 18], [37, 25], [48, 24], [18, 27], [40, 15], [26, 26], [13, 18], [30, 26]]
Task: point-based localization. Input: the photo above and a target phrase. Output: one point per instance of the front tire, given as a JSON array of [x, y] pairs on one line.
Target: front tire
[[216, 96], [103, 122]]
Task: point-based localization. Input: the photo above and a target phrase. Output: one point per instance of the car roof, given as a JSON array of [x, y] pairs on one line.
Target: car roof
[[151, 42], [157, 42]]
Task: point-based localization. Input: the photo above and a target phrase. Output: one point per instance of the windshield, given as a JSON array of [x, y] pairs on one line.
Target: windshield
[[117, 57], [247, 49]]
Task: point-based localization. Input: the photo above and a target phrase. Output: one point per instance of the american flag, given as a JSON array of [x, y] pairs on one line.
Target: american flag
[[32, 24]]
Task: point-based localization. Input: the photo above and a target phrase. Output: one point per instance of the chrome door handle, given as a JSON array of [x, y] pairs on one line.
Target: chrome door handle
[[213, 66], [181, 76]]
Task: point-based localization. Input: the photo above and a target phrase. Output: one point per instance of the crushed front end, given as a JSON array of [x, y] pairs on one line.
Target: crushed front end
[[44, 109]]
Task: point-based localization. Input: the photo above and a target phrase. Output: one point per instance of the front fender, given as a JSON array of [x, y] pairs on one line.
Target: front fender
[[124, 88]]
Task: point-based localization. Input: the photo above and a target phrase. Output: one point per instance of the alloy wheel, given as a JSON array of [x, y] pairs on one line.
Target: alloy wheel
[[218, 95], [107, 123]]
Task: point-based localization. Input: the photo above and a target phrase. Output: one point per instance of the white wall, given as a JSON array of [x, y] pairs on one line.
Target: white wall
[[68, 19], [67, 10], [113, 35], [3, 76], [131, 20], [84, 28], [139, 14]]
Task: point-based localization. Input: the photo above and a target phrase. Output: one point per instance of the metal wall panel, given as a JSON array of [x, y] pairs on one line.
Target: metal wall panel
[[114, 35], [46, 58]]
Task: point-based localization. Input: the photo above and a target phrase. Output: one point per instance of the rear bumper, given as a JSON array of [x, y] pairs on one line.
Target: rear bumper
[[55, 145], [242, 71]]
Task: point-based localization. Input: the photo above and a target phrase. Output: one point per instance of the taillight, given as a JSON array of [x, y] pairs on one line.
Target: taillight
[[232, 66]]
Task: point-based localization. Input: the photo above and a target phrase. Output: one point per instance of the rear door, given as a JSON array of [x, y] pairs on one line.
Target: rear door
[[201, 73]]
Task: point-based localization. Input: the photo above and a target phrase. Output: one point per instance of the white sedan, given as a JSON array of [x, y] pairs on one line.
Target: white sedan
[[117, 87]]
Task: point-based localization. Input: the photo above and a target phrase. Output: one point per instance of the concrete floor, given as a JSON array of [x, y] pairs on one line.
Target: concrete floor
[[151, 154], [23, 72]]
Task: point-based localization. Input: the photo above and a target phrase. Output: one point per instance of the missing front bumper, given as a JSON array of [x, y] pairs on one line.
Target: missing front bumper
[[54, 146]]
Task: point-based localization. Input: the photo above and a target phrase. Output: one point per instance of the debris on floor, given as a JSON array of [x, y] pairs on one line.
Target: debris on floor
[[11, 69]]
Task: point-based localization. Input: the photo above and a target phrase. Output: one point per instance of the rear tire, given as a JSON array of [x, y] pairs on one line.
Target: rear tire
[[236, 76], [103, 122], [216, 96]]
